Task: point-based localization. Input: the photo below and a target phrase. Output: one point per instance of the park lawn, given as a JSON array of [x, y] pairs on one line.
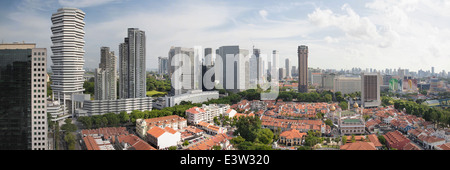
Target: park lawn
[[154, 92]]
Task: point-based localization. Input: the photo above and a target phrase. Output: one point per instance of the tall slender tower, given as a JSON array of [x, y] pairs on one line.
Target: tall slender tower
[[132, 65], [302, 68], [68, 54], [288, 67], [105, 76]]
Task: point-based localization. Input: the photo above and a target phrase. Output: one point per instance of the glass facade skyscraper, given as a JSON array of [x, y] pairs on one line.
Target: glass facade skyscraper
[[23, 89]]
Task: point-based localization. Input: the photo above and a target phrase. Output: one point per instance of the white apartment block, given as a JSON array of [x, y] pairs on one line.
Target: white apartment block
[[100, 107], [175, 122], [207, 113]]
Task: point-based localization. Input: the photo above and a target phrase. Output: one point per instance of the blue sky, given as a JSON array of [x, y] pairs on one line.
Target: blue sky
[[376, 34]]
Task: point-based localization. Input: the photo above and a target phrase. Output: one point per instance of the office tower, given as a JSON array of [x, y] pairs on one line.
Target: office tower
[[132, 75], [208, 57], [243, 72], [346, 85], [23, 115], [294, 71], [253, 70], [105, 76], [281, 73], [258, 61], [274, 64], [370, 89], [162, 65], [302, 68], [328, 81], [68, 55], [187, 75], [288, 68], [237, 78], [432, 71]]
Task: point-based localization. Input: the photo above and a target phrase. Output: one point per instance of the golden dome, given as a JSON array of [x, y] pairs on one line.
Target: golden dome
[[355, 105], [332, 108]]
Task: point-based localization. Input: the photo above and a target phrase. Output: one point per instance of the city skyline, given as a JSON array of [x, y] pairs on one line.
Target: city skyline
[[341, 35]]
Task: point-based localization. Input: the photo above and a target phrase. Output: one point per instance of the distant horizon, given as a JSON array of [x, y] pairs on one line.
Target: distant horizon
[[376, 34]]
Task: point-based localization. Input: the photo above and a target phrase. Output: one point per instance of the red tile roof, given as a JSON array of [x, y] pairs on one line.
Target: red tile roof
[[358, 146], [445, 146], [291, 134], [374, 139]]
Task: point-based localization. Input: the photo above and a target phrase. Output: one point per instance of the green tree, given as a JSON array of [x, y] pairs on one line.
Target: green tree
[[344, 140], [70, 140], [382, 139], [328, 98], [124, 117], [217, 147], [248, 127], [265, 136], [69, 126], [185, 143], [343, 105], [237, 140]]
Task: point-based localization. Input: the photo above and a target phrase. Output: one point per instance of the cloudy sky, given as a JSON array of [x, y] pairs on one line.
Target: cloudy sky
[[343, 34]]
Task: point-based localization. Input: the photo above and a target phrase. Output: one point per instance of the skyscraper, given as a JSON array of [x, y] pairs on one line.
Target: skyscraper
[[132, 55], [288, 67], [187, 75], [258, 61], [237, 79], [370, 89], [23, 113], [105, 76], [68, 54], [302, 68], [162, 65]]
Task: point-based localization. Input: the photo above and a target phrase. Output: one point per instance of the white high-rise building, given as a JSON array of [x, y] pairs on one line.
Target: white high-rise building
[[68, 54]]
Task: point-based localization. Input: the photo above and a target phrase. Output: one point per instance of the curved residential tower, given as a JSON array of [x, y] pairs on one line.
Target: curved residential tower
[[67, 58]]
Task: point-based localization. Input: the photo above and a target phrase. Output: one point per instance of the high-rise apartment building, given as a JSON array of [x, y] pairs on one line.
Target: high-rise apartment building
[[132, 73], [288, 68], [162, 65], [68, 55], [105, 76], [370, 89], [302, 68], [23, 87]]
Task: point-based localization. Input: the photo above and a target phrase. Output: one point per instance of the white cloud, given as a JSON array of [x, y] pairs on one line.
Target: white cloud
[[263, 13], [84, 3], [329, 39], [351, 23]]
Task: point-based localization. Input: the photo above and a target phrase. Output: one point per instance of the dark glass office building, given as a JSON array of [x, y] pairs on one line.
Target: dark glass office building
[[15, 99]]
